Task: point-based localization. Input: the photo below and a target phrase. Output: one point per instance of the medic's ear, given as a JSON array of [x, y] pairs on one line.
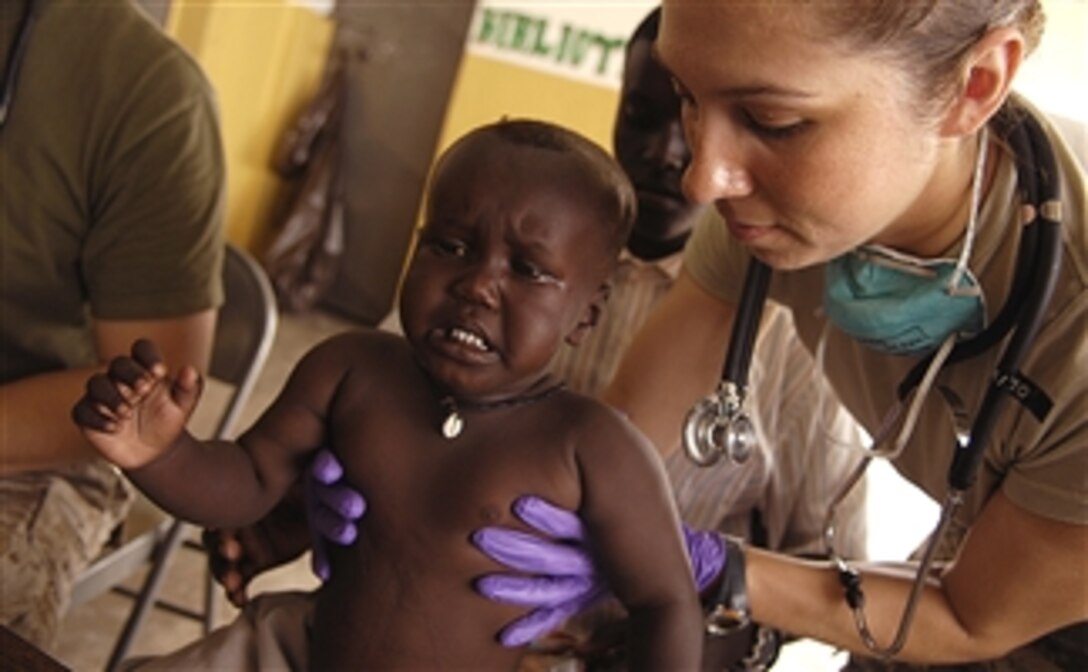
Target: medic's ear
[[985, 81], [591, 316]]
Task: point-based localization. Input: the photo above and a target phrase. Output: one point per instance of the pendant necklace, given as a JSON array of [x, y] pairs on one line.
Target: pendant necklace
[[454, 423]]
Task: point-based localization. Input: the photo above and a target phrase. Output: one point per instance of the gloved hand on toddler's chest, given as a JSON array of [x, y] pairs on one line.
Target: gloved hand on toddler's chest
[[563, 581]]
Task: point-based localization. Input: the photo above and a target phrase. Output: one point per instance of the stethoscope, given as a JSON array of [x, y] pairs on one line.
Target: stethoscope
[[719, 426]]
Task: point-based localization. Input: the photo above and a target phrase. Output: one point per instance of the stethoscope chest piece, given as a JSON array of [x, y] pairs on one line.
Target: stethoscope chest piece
[[717, 426]]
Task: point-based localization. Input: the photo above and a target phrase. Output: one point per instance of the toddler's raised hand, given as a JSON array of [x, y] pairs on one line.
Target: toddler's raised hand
[[133, 412]]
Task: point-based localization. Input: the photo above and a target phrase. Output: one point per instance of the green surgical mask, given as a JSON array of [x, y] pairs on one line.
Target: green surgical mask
[[900, 305]]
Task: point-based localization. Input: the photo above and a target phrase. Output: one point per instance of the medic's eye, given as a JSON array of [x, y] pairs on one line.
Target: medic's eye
[[774, 126]]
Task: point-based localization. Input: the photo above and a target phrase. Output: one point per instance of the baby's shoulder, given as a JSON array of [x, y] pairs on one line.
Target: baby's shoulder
[[597, 426], [361, 343], [358, 350]]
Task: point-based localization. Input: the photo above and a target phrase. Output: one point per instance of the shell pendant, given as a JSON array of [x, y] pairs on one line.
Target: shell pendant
[[453, 425]]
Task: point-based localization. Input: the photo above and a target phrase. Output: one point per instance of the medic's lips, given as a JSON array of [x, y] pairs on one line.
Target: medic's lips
[[747, 234], [743, 231]]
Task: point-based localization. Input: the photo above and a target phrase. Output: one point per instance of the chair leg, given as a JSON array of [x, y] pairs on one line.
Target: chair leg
[[148, 593]]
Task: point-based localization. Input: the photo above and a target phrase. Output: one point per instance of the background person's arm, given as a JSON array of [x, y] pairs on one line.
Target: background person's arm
[[675, 360], [36, 430]]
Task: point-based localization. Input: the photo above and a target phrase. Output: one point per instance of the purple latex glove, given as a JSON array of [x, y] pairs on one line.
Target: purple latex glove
[[568, 582], [332, 509]]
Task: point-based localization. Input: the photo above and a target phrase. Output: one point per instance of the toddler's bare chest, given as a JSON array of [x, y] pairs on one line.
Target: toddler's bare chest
[[396, 454]]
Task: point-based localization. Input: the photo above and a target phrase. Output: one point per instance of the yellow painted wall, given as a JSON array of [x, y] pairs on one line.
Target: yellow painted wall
[[487, 89], [265, 59]]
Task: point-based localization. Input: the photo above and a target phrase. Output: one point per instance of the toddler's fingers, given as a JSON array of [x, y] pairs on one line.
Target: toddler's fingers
[[103, 393], [85, 415], [186, 388], [131, 379], [147, 354]]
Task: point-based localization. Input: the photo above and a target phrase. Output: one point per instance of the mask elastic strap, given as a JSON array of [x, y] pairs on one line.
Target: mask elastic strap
[[884, 434], [922, 391], [972, 218]]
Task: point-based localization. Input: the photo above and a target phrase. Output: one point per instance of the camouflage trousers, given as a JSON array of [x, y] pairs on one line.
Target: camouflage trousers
[[52, 524]]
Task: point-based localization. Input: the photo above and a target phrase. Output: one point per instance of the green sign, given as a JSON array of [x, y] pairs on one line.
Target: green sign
[[555, 42]]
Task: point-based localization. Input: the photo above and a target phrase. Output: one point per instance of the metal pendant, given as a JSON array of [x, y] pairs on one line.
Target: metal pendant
[[453, 425]]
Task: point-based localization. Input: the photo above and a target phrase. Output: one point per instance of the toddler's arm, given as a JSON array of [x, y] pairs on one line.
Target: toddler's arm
[[628, 510], [135, 416]]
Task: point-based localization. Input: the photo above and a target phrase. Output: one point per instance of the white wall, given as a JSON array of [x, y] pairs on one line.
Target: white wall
[[1055, 76]]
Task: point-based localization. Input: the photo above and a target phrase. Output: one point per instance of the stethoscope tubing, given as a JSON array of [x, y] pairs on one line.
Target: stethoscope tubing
[[738, 358], [1032, 147]]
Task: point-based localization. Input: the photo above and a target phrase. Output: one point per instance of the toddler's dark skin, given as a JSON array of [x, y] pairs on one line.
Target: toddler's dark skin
[[512, 261]]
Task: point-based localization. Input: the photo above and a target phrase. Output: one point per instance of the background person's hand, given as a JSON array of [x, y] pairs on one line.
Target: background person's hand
[[563, 580], [236, 556]]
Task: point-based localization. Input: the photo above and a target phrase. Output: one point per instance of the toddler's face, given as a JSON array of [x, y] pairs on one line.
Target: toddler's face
[[510, 263]]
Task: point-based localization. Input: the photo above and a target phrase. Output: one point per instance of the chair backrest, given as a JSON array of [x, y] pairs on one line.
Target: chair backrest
[[244, 331]]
